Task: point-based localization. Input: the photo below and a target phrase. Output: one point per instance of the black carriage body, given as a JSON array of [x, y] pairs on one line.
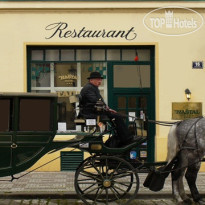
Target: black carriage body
[[28, 124]]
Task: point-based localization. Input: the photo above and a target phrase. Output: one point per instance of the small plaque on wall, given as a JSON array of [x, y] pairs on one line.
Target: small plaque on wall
[[186, 110], [197, 65]]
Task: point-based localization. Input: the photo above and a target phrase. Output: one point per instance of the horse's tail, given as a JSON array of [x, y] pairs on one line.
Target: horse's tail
[[173, 146]]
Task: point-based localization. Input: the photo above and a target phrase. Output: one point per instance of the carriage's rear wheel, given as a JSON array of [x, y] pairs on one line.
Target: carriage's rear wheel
[[104, 179]]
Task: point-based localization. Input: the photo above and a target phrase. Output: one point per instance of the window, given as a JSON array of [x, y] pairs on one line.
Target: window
[[31, 119], [65, 75], [132, 76], [5, 115], [65, 79], [98, 54], [113, 54], [65, 71], [68, 55], [52, 55], [40, 75]]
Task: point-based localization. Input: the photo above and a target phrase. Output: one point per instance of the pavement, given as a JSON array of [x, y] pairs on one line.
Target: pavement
[[61, 184], [50, 188]]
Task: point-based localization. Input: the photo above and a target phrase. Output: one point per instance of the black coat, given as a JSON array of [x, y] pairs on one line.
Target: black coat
[[90, 94]]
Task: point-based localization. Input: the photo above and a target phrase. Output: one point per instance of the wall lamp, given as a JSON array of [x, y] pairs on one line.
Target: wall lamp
[[188, 94]]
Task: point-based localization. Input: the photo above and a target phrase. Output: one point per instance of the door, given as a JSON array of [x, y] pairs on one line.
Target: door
[[131, 93]]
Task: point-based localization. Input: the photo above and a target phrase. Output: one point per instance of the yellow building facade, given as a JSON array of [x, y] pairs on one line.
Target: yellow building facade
[[171, 32]]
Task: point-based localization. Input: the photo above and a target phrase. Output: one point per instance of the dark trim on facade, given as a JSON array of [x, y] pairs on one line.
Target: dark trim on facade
[[104, 0]]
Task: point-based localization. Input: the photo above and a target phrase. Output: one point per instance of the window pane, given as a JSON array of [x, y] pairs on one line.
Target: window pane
[[87, 68], [34, 115], [82, 54], [143, 102], [40, 75], [128, 54], [37, 55], [113, 54], [66, 110], [52, 55], [5, 114], [98, 54], [144, 54], [67, 55], [121, 102], [65, 75], [132, 102], [126, 76]]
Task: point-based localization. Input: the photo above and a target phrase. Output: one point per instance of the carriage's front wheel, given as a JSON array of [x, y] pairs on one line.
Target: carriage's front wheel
[[104, 179]]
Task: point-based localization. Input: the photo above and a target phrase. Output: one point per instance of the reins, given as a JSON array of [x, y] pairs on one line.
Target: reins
[[163, 123]]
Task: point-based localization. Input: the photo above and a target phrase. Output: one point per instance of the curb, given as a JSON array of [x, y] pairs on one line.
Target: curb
[[34, 195]]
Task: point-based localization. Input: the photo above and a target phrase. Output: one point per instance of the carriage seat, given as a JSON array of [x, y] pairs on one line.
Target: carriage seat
[[79, 121]]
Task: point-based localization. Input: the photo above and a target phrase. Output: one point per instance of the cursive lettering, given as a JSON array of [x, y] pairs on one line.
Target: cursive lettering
[[61, 30]]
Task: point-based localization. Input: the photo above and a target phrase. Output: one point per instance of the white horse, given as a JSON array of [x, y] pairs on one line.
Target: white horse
[[186, 140]]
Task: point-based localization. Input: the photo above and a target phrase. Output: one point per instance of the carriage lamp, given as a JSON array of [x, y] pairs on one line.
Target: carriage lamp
[[188, 94]]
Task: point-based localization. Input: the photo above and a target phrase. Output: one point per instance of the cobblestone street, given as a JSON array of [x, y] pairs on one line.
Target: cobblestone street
[[78, 202], [57, 188]]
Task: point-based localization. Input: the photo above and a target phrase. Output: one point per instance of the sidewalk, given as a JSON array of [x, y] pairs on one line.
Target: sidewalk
[[61, 185]]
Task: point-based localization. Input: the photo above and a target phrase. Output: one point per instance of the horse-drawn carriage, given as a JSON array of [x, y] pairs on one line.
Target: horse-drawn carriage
[[28, 125]]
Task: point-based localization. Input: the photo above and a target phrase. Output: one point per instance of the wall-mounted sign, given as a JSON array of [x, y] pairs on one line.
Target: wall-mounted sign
[[64, 30], [186, 110], [197, 65], [173, 21]]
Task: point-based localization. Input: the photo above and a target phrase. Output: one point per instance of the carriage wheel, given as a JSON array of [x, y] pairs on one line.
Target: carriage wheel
[[104, 179]]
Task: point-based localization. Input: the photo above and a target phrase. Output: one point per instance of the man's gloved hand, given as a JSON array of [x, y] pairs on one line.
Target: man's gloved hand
[[111, 110]]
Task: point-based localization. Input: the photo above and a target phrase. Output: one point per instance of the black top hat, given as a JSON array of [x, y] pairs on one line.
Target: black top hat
[[95, 75]]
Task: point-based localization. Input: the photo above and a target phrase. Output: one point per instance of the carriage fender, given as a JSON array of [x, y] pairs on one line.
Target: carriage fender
[[172, 144]]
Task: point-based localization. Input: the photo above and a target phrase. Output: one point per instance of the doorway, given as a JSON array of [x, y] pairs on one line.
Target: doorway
[[131, 92]]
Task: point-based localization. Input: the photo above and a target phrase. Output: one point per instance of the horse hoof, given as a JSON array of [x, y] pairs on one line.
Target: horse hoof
[[185, 202], [188, 201], [201, 202], [180, 203]]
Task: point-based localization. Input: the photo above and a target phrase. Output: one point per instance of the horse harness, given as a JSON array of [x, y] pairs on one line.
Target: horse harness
[[182, 147]]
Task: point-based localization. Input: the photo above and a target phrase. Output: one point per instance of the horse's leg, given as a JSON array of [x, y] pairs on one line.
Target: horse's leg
[[182, 193], [191, 176], [175, 184], [175, 189], [178, 191], [177, 180]]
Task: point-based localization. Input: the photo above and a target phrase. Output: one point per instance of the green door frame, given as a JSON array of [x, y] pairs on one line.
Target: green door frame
[[150, 92]]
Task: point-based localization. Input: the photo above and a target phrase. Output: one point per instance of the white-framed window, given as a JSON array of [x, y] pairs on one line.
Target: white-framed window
[[64, 70], [66, 79]]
